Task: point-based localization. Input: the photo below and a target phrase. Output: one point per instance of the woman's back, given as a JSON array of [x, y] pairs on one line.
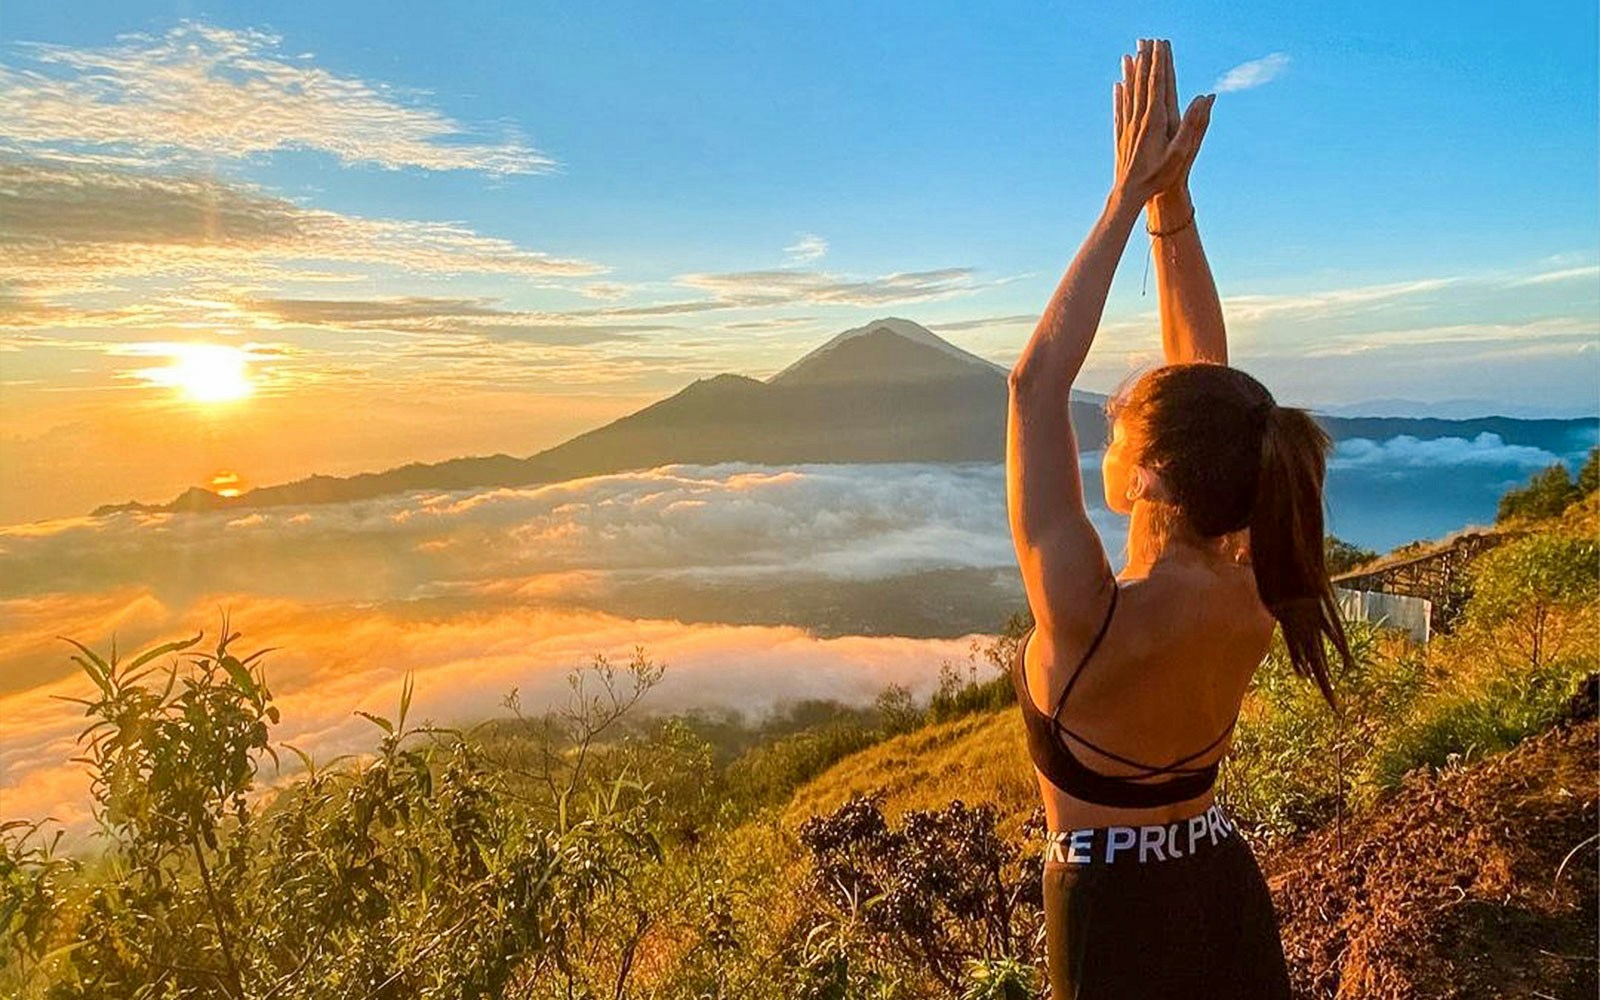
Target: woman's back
[[1164, 681]]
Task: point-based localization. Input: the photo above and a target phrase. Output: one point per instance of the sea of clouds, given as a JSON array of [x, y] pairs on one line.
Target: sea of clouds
[[477, 592]]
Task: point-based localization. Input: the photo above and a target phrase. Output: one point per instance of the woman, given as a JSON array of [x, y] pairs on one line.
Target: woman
[[1148, 890]]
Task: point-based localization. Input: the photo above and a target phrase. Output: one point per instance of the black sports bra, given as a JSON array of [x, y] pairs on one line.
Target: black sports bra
[[1055, 759]]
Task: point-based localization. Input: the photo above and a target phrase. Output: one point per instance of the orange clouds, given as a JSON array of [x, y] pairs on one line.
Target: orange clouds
[[479, 592], [334, 659]]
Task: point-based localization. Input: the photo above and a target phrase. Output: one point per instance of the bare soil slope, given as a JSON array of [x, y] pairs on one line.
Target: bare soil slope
[[1450, 888]]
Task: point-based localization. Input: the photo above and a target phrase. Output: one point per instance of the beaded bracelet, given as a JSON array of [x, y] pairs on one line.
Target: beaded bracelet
[[1178, 228]]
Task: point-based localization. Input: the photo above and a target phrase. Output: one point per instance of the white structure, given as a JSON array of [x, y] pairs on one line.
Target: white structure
[[1410, 614]]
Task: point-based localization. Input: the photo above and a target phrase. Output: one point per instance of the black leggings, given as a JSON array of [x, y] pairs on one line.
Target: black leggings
[[1192, 925]]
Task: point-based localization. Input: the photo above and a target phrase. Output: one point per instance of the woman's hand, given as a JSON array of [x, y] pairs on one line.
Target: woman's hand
[[1155, 148]]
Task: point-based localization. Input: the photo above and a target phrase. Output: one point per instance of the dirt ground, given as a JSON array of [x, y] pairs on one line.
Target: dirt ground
[[1474, 882]]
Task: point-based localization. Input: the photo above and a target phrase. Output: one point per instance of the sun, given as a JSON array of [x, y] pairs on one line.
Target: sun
[[208, 373]]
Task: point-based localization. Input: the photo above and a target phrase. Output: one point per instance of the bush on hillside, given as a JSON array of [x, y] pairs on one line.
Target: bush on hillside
[[1523, 642], [32, 877], [1589, 473], [1550, 490], [938, 903], [1536, 594], [1341, 556], [427, 869]]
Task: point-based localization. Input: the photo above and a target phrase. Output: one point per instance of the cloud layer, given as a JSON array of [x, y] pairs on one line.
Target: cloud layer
[[478, 592]]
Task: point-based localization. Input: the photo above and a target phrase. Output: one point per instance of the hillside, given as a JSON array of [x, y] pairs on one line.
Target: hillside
[[1449, 889], [1444, 889], [1434, 839], [978, 758], [1413, 849]]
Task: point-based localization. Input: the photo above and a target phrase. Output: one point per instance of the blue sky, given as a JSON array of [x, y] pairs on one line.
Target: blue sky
[[551, 215]]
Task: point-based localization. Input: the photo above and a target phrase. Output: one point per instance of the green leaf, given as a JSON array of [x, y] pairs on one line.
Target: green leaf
[[259, 652], [305, 758], [378, 721], [96, 668], [405, 697], [166, 647], [240, 674]]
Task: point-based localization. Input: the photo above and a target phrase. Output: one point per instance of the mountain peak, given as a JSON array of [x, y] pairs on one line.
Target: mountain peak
[[891, 349]]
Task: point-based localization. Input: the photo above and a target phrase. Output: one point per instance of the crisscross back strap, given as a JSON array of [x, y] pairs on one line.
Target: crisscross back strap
[[1149, 770]]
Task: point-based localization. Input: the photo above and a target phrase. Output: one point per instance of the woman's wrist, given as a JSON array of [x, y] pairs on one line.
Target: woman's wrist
[[1122, 207], [1169, 208]]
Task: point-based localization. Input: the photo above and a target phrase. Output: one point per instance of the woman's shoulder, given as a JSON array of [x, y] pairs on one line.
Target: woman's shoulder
[[1179, 607]]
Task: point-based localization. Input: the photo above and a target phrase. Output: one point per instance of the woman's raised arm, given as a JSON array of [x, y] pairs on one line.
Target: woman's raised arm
[[1192, 327], [1062, 561]]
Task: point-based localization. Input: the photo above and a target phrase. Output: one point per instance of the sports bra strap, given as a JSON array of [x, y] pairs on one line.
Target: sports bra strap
[[1084, 661], [1151, 770]]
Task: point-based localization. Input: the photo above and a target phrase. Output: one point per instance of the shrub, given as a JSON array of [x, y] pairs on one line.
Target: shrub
[[939, 900], [1341, 556], [1547, 494], [1536, 594], [425, 870]]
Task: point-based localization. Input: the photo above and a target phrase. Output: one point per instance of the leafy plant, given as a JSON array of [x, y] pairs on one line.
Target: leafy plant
[[928, 899]]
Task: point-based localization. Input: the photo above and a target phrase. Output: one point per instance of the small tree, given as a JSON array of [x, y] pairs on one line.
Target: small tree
[[1546, 495], [1341, 556], [897, 711], [1589, 475], [1534, 588]]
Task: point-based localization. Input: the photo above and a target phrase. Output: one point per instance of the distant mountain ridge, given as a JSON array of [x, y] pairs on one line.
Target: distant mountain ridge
[[889, 391], [1450, 409]]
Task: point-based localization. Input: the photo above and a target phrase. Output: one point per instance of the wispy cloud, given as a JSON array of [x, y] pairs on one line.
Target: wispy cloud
[[984, 322], [807, 248], [1561, 334], [208, 91], [96, 246], [59, 221], [1324, 304], [421, 314], [1590, 271], [1253, 73], [770, 288], [774, 323]]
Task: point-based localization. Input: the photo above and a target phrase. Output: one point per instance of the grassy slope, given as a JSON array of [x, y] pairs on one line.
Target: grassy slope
[[977, 758]]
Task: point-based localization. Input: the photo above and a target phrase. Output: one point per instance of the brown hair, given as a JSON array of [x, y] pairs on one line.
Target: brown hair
[[1232, 459]]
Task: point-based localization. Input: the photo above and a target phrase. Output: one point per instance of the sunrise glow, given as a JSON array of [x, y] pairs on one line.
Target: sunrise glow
[[227, 484], [206, 373]]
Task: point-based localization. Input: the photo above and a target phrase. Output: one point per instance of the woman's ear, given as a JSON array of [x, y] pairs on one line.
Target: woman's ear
[[1139, 483], [1145, 484]]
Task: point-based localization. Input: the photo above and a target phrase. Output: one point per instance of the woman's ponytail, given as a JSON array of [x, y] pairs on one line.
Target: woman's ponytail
[[1286, 542]]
